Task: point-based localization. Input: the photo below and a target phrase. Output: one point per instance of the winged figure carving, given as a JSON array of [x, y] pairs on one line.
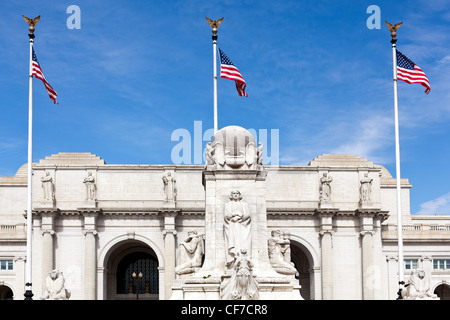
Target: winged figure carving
[[393, 28], [32, 22], [214, 24]]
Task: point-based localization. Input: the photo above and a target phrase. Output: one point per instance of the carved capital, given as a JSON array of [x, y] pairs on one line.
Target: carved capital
[[87, 231], [49, 231], [172, 231], [326, 231], [366, 232], [391, 257]]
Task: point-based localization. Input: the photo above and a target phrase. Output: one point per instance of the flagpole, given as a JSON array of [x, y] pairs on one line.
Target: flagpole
[[214, 38], [401, 281], [28, 270], [214, 26]]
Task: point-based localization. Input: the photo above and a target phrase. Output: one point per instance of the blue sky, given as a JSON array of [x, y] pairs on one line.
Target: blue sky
[[137, 71]]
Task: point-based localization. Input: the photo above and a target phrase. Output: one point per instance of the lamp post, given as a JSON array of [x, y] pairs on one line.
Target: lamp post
[[136, 280]]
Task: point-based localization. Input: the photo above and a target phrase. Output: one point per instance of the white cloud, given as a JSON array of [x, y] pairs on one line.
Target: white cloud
[[368, 138], [438, 206]]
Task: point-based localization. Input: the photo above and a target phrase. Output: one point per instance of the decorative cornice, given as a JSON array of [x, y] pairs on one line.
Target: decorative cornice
[[42, 211], [169, 212], [89, 211], [368, 211], [326, 212], [290, 211]]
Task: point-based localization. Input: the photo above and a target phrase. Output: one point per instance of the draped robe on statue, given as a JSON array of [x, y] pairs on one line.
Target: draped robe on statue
[[237, 228]]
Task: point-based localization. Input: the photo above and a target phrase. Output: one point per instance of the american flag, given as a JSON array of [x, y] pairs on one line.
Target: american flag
[[229, 71], [409, 72], [37, 72]]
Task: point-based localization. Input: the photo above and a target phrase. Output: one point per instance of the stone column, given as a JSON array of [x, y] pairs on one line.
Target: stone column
[[90, 255], [367, 264], [47, 254], [47, 230], [326, 221], [169, 233], [366, 233], [392, 270]]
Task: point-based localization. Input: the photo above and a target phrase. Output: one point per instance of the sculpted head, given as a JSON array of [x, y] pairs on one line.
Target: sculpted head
[[276, 233], [235, 195]]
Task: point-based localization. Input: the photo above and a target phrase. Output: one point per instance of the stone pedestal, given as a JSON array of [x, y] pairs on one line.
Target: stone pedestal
[[235, 170]]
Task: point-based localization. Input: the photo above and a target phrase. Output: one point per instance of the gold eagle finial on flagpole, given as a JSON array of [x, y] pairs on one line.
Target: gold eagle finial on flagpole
[[214, 24], [393, 28], [31, 22]]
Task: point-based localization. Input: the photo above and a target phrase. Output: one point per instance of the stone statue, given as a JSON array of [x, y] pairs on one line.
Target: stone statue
[[55, 287], [233, 148], [280, 253], [209, 154], [191, 252], [237, 225], [242, 285], [365, 189], [89, 181], [325, 188], [170, 189], [47, 185], [418, 287], [259, 154], [250, 154]]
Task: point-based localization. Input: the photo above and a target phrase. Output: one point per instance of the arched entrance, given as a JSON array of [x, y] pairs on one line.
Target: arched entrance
[[132, 272], [6, 293], [443, 291], [303, 262]]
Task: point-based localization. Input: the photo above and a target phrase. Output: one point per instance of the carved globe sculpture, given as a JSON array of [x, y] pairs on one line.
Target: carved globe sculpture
[[233, 147]]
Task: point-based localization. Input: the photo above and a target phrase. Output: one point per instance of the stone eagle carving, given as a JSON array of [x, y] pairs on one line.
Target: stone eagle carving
[[215, 23], [55, 287], [31, 22], [393, 28]]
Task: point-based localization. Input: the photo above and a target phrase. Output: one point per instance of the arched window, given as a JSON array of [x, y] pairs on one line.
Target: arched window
[[443, 291], [5, 293], [138, 262]]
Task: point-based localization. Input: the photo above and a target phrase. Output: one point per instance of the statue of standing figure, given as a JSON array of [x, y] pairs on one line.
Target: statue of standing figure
[[325, 188], [47, 185], [365, 189], [89, 181], [237, 225], [170, 189]]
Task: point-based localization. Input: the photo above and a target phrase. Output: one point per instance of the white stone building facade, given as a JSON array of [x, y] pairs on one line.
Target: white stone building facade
[[98, 223]]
